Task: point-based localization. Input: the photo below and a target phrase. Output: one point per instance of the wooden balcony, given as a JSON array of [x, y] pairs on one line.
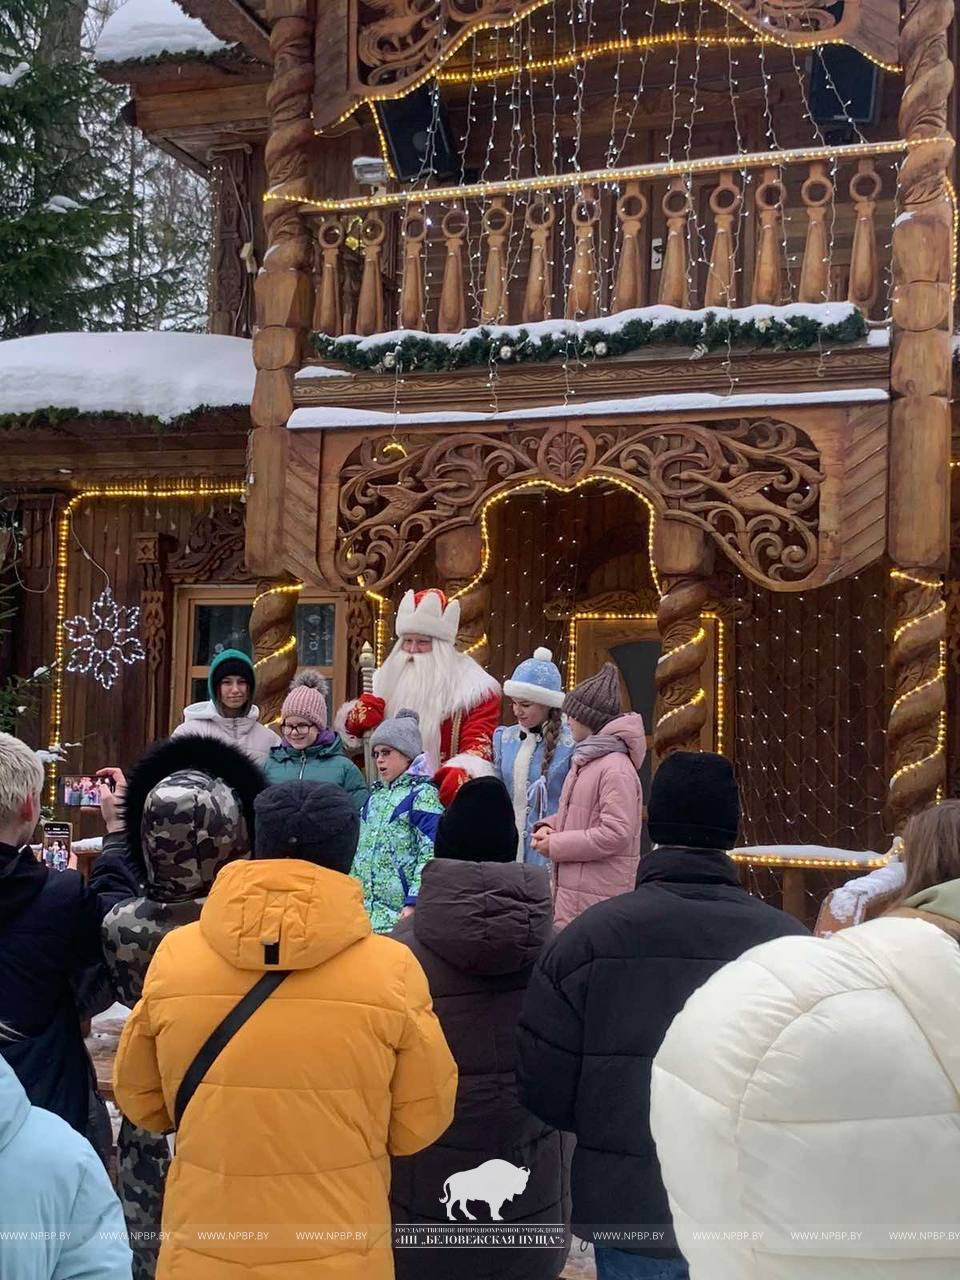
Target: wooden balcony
[[712, 233]]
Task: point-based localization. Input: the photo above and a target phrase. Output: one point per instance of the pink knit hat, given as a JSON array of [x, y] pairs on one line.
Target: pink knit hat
[[307, 699]]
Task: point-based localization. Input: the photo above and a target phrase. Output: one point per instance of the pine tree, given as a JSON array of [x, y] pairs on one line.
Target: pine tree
[[65, 209]]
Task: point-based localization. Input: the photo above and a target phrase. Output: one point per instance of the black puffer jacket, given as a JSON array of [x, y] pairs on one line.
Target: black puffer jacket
[[477, 931], [597, 1008]]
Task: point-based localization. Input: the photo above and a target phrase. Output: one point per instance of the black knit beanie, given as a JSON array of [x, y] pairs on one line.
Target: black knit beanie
[[315, 821], [694, 801], [479, 825]]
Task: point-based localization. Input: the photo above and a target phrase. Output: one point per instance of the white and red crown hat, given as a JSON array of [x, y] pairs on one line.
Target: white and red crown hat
[[427, 613]]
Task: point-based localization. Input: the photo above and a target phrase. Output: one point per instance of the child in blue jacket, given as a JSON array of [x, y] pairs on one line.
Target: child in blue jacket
[[398, 823]]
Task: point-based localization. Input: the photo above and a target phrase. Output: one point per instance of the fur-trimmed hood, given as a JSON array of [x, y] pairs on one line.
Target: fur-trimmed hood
[[180, 833]]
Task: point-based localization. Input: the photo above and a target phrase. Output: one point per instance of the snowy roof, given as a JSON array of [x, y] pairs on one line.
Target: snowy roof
[[143, 29], [159, 375]]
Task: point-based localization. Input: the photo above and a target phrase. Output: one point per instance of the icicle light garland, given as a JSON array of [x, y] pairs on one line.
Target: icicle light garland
[[488, 345]]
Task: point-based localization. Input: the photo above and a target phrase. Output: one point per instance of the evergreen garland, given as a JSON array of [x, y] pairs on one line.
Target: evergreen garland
[[55, 415], [715, 330]]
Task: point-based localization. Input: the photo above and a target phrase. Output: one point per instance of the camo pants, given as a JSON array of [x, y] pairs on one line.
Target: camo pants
[[142, 1163]]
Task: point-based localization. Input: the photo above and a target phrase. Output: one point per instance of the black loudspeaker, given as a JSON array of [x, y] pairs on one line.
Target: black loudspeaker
[[841, 75], [418, 137]]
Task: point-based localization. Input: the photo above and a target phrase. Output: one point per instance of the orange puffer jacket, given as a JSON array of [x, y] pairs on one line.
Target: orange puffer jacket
[[293, 1127]]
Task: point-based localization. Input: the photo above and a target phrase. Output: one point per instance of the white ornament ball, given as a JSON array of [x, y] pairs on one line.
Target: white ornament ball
[[389, 360], [506, 353], [600, 349]]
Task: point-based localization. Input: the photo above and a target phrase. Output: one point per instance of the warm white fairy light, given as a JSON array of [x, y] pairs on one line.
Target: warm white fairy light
[[105, 641]]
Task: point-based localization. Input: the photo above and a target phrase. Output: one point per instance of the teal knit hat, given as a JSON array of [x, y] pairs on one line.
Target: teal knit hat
[[230, 662]]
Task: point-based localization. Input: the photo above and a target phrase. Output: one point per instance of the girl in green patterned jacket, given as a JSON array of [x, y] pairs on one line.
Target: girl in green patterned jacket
[[397, 824]]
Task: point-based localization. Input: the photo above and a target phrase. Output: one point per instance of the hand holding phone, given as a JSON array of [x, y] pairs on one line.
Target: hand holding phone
[[113, 786]]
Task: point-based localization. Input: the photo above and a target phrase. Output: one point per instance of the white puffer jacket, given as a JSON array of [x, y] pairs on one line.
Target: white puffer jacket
[[244, 732], [813, 1085]]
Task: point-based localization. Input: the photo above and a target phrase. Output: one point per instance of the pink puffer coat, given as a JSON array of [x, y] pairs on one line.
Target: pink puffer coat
[[595, 845]]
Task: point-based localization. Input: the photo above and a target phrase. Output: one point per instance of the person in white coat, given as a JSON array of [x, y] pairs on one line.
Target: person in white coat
[[229, 714], [805, 1103]]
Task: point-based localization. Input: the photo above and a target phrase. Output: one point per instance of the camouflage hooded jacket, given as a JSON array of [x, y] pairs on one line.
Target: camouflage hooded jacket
[[189, 811]]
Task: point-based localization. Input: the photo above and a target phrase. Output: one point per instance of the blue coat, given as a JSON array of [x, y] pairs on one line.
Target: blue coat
[[506, 746], [52, 1181]]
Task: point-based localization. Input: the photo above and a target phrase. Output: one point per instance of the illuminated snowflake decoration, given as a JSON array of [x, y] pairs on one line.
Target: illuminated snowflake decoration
[[104, 640]]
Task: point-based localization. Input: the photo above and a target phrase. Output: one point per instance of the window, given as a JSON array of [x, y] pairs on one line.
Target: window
[[211, 619]]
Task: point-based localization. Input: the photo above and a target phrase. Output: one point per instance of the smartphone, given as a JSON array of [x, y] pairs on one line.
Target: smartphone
[[82, 790], [55, 848]]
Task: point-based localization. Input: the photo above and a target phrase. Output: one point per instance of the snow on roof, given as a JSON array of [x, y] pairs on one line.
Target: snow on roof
[[159, 375], [330, 417], [143, 29]]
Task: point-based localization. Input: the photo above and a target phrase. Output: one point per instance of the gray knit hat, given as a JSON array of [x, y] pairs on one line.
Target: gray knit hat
[[316, 821], [596, 700], [402, 733]]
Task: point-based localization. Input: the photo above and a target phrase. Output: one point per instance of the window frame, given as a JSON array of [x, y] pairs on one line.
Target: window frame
[[188, 598]]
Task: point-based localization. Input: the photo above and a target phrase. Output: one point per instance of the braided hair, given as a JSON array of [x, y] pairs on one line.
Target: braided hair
[[550, 730]]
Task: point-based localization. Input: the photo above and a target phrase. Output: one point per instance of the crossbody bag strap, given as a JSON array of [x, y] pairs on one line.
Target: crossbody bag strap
[[221, 1036]]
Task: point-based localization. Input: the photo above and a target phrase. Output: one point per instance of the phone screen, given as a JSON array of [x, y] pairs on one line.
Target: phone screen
[[55, 851], [80, 790]]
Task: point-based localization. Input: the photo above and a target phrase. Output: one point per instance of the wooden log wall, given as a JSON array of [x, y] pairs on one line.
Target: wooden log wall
[[109, 724]]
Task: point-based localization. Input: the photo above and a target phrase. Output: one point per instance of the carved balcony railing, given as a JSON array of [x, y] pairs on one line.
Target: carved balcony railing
[[805, 226]]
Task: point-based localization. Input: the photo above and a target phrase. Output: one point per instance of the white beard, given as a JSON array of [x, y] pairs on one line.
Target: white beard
[[426, 683]]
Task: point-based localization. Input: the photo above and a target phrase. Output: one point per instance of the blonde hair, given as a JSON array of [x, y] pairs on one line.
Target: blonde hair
[[21, 775], [931, 848]]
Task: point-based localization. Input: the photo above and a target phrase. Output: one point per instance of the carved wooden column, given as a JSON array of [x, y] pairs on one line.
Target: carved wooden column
[[459, 558], [684, 559], [156, 595], [920, 376], [274, 642], [284, 288], [232, 262]]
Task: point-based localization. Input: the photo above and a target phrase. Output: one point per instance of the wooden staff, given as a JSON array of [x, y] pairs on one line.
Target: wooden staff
[[367, 663]]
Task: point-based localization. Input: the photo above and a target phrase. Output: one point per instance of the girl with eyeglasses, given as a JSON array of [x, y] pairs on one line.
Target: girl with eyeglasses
[[309, 750]]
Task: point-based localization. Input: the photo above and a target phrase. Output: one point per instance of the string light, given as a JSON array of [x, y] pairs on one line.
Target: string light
[[287, 589], [820, 864], [160, 490], [577, 57], [286, 647], [477, 644], [382, 139], [607, 177], [928, 584]]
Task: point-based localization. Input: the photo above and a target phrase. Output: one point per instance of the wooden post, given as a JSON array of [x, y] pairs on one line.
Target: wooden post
[[920, 377], [864, 275], [459, 557], [725, 202], [496, 228], [582, 295], [327, 316], [631, 211], [768, 269], [370, 303], [284, 288], [676, 207], [539, 220], [453, 304], [816, 194], [411, 289], [684, 559], [271, 632]]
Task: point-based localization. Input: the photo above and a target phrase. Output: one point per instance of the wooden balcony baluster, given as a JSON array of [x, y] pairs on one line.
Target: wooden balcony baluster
[[327, 317], [370, 302], [411, 287], [864, 275], [628, 285], [677, 206], [496, 228], [453, 304], [538, 220], [768, 268], [582, 295], [817, 196], [725, 202]]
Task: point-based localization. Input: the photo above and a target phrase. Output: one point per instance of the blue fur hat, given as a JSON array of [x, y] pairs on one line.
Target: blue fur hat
[[537, 679]]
